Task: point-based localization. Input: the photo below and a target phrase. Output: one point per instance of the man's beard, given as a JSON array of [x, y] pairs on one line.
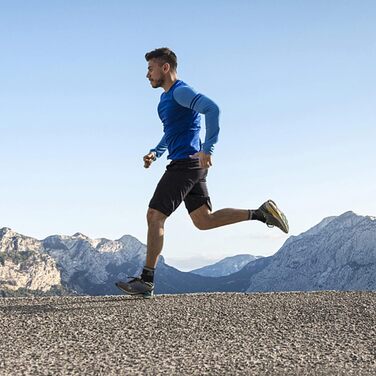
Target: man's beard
[[157, 83]]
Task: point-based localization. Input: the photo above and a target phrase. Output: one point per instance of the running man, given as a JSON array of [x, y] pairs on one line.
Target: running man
[[179, 109]]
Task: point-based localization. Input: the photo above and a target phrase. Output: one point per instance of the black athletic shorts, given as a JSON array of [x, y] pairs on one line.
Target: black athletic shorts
[[184, 180]]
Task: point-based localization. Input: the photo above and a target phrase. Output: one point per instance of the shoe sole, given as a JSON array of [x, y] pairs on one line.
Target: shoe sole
[[278, 215], [145, 295]]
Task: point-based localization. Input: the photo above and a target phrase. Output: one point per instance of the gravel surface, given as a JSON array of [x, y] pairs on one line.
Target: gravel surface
[[319, 333]]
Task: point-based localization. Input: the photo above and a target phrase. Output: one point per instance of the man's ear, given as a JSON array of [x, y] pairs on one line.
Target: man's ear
[[166, 67]]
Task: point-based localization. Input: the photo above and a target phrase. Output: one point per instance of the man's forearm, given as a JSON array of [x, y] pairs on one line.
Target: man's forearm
[[160, 148]]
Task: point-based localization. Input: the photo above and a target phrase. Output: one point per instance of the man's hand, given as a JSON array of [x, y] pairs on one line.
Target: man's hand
[[149, 159], [205, 159]]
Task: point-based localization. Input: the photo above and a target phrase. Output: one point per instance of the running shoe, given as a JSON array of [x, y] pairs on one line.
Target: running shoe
[[274, 216], [137, 286]]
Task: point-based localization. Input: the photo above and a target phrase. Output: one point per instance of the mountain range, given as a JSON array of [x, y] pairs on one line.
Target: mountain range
[[337, 254], [80, 265]]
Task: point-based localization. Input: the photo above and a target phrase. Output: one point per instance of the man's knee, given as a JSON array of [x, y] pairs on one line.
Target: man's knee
[[155, 216], [201, 218], [202, 224]]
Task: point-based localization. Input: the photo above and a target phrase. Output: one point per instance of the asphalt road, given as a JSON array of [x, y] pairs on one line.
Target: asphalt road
[[321, 333]]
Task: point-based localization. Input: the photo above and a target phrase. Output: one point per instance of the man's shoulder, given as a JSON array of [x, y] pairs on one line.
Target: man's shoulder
[[182, 84], [182, 88]]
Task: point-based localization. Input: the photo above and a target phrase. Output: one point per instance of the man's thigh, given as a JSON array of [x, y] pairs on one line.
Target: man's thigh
[[198, 195], [175, 185]]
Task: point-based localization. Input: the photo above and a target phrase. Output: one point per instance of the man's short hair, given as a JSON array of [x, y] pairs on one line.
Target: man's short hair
[[163, 55]]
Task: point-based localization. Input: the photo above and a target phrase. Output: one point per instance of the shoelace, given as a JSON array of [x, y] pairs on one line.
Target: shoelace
[[133, 279], [268, 224]]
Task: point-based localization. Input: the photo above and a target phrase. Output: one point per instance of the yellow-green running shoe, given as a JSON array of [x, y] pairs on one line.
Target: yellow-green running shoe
[[274, 216]]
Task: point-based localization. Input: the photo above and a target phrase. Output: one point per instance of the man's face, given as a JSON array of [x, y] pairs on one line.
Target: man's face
[[156, 74]]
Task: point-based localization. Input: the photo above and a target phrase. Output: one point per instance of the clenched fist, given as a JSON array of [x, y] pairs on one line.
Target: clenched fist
[[149, 159]]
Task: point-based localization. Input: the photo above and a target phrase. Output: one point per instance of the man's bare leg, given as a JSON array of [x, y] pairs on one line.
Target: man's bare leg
[[204, 219], [144, 286], [267, 213], [156, 221]]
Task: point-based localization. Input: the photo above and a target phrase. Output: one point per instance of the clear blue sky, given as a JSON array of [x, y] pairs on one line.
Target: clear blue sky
[[295, 81]]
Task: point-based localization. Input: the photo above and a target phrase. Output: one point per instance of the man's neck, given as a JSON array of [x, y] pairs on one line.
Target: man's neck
[[169, 83]]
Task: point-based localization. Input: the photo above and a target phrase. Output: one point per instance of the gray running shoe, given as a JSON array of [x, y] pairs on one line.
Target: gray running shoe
[[274, 216], [137, 286]]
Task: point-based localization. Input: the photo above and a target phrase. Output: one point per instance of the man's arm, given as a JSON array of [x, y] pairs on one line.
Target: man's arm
[[187, 97], [155, 153]]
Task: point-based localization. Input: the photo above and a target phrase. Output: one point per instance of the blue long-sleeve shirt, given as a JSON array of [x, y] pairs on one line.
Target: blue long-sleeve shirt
[[179, 110]]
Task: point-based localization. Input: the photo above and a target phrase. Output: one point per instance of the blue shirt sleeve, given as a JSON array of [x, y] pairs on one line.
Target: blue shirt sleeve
[[187, 97], [160, 148]]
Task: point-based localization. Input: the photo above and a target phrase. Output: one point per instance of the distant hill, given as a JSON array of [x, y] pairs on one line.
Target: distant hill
[[228, 265]]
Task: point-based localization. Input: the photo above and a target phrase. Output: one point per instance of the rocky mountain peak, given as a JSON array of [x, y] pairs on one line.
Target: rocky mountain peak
[[7, 232], [348, 219], [80, 235], [127, 239]]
